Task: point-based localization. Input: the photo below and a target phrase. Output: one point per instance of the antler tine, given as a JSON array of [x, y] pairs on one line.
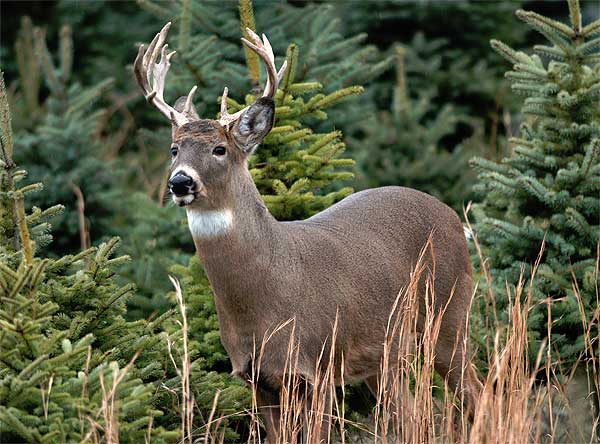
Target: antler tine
[[226, 118], [279, 74], [265, 52], [151, 77], [224, 101]]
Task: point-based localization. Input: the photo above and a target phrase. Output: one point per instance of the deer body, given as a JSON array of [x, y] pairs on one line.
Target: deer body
[[345, 264], [351, 260]]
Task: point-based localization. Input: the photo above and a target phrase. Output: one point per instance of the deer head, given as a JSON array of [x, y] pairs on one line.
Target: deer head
[[207, 154]]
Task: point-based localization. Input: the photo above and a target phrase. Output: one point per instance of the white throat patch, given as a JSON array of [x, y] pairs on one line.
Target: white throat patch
[[209, 223]]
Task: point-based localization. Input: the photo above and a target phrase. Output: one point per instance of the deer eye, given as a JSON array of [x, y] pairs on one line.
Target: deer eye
[[174, 151], [219, 151]]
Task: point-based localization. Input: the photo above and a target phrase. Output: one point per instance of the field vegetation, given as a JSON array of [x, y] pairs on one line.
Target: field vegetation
[[108, 328]]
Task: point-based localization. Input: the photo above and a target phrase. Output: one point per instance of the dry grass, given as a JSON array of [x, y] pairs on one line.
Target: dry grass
[[521, 401], [107, 430]]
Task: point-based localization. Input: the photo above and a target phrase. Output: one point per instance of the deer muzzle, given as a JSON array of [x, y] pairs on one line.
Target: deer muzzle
[[181, 184]]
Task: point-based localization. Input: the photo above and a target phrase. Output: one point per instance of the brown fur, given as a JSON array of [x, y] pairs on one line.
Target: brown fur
[[350, 260]]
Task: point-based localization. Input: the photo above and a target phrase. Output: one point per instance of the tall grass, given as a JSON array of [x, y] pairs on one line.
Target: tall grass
[[520, 402]]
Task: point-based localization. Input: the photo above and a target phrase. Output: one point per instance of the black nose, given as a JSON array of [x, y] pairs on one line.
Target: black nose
[[180, 184]]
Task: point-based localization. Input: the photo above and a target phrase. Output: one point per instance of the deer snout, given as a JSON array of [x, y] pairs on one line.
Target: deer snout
[[181, 184]]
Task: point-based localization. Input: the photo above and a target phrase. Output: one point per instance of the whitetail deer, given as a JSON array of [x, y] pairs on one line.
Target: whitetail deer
[[349, 261]]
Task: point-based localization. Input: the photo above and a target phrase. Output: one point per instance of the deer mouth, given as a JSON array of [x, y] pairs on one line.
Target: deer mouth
[[196, 192], [184, 200]]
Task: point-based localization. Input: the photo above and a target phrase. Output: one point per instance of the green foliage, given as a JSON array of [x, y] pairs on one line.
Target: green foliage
[[74, 177], [453, 58], [548, 190], [87, 173], [156, 237], [64, 344], [104, 38], [210, 364], [406, 144]]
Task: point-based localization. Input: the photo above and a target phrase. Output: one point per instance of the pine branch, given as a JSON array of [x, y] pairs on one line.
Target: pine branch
[[55, 85], [184, 26], [509, 53], [548, 26], [247, 21], [591, 29], [23, 230], [5, 125], [291, 56], [575, 16], [591, 157], [66, 53]]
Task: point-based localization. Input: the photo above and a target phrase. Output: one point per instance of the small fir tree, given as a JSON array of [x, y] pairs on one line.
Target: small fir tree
[[78, 177], [405, 144], [86, 179], [66, 352], [548, 190], [452, 61]]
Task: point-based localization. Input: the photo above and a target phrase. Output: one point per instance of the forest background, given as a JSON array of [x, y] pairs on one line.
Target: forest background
[[412, 92]]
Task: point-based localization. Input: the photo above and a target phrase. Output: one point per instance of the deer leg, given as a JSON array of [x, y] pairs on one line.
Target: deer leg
[[267, 400], [454, 365], [318, 414]]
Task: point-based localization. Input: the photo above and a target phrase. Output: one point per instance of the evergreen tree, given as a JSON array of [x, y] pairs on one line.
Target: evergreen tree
[[91, 184], [157, 238], [451, 61], [548, 189], [70, 365], [75, 177], [405, 144]]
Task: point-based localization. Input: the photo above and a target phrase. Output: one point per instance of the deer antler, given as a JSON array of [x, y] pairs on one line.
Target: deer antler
[[151, 77], [265, 52]]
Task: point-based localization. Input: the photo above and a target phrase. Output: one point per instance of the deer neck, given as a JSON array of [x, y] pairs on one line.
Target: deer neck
[[239, 227], [238, 259]]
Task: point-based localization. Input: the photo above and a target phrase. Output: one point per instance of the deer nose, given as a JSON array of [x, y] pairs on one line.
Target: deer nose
[[180, 184]]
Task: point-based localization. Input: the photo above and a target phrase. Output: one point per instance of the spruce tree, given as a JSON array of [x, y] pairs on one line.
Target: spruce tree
[[548, 189], [405, 145], [65, 347], [66, 118], [93, 186], [451, 61]]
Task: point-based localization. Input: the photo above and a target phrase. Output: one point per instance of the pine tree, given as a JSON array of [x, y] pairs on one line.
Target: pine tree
[[548, 189], [210, 55], [92, 186], [75, 177], [452, 61], [405, 144], [65, 347]]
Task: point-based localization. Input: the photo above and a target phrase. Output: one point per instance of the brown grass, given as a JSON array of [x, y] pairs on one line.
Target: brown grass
[[107, 430], [516, 404]]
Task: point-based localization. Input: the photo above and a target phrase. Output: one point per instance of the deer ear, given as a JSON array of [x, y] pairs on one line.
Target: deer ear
[[254, 125]]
